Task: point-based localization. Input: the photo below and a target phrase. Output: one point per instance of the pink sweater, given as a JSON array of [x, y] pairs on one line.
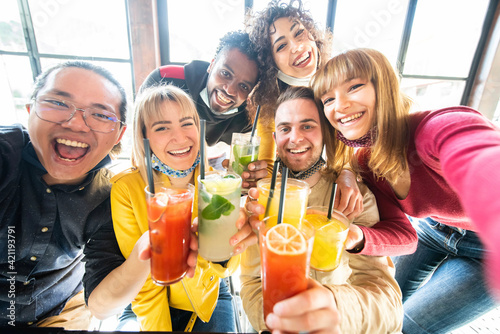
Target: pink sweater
[[454, 159]]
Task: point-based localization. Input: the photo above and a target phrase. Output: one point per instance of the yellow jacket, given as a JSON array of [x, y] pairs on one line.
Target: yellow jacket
[[198, 294]]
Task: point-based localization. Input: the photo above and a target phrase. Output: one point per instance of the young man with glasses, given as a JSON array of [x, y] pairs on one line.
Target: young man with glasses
[[54, 193]]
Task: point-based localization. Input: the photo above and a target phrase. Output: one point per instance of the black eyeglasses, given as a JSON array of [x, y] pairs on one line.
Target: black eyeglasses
[[57, 111]]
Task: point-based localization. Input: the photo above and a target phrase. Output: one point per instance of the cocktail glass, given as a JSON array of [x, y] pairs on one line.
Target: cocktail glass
[[169, 217], [297, 195], [285, 257], [330, 238], [243, 151], [218, 209]]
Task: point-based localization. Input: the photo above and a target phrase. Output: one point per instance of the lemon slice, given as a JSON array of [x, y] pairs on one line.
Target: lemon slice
[[321, 223], [285, 239], [161, 199], [222, 186]]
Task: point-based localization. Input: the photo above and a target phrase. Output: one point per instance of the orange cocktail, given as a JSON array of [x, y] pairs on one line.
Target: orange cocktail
[[285, 251], [169, 217]]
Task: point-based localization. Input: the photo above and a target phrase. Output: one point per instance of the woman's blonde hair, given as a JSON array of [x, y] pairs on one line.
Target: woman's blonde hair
[[148, 108], [392, 107]]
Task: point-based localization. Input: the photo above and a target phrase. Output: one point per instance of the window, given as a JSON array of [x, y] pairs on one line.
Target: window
[[196, 33], [58, 30], [436, 45]]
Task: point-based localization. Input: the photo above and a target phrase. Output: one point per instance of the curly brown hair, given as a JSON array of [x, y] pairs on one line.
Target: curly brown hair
[[269, 88]]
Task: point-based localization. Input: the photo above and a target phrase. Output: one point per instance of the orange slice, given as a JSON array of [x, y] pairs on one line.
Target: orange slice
[[285, 239]]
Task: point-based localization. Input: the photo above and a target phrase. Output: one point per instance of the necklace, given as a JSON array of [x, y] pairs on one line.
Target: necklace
[[302, 175], [364, 141], [169, 171]]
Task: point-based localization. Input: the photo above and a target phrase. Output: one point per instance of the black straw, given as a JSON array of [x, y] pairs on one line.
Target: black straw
[[255, 123], [202, 149], [271, 188], [149, 170], [284, 178], [332, 200]]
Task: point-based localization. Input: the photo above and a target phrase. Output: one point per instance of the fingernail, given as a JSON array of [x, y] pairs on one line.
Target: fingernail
[[272, 320], [277, 308], [234, 242], [237, 250]]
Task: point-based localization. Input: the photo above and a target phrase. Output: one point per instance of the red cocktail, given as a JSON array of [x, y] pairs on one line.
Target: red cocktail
[[285, 252], [169, 216]]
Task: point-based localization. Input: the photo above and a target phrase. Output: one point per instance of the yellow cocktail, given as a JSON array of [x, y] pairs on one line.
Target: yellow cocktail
[[329, 241], [297, 195]]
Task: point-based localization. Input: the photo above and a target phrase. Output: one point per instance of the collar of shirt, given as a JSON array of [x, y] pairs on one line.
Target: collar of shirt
[[204, 97]]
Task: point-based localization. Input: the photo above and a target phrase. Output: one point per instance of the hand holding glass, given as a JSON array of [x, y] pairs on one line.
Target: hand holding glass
[[243, 151]]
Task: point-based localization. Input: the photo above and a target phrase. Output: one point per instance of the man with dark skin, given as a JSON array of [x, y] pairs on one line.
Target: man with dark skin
[[220, 90]]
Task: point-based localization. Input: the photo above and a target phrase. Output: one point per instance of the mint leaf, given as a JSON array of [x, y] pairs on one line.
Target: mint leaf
[[218, 206]]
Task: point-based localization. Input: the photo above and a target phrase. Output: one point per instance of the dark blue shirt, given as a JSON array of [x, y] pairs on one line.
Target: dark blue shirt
[[43, 230]]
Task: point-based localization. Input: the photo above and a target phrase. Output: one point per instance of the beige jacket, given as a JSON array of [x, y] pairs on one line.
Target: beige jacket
[[367, 295]]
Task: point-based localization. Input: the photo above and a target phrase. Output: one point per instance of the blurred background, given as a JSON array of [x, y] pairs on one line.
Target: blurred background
[[446, 50]]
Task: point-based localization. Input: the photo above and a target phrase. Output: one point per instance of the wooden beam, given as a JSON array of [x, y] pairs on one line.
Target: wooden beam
[[143, 18]]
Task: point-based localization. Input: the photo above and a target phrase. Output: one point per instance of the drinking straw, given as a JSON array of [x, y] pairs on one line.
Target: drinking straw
[[149, 170], [332, 200], [271, 188], [202, 149], [255, 123], [284, 177]]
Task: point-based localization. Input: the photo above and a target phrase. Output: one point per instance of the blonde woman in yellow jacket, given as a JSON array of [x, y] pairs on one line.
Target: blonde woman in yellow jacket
[[167, 116]]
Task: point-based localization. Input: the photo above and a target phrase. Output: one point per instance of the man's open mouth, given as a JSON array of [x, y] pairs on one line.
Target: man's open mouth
[[70, 150], [298, 150], [222, 98]]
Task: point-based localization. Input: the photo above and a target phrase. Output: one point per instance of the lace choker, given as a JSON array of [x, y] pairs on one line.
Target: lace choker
[[365, 141], [305, 174], [292, 81], [161, 167]]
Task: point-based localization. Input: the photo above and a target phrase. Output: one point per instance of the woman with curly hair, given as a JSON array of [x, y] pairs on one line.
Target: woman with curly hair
[[290, 48]]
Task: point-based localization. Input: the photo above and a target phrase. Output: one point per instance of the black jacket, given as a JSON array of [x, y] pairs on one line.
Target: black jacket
[[192, 78]]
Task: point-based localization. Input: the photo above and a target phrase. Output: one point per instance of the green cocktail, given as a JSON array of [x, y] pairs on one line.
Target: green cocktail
[[243, 152]]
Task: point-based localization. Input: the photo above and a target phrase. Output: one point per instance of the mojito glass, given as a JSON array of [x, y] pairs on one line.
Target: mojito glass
[[243, 151], [169, 216], [218, 211]]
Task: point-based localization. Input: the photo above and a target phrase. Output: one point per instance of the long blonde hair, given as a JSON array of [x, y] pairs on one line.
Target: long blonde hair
[[392, 107], [148, 108]]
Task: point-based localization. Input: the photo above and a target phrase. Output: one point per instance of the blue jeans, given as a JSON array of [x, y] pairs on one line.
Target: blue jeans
[[222, 320], [455, 293]]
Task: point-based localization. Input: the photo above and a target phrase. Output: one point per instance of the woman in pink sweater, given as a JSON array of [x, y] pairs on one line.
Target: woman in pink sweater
[[441, 166]]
